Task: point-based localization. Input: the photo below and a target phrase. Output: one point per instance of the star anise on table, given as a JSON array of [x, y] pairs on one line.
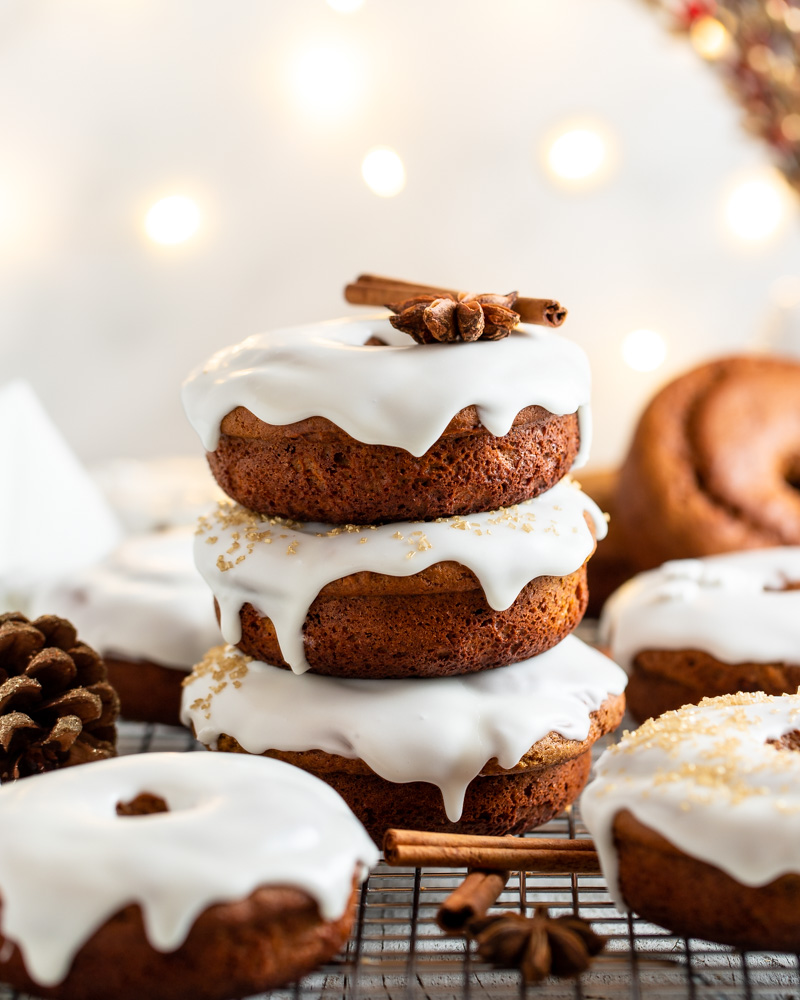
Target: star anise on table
[[445, 318], [539, 946], [56, 705]]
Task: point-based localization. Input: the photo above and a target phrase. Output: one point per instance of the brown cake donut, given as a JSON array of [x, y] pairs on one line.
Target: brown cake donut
[[312, 470], [272, 937], [546, 780], [714, 465], [432, 624], [100, 897], [696, 817], [148, 692]]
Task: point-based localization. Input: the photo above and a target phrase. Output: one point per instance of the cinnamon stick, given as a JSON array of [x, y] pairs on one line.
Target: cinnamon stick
[[374, 290], [416, 848], [470, 900]]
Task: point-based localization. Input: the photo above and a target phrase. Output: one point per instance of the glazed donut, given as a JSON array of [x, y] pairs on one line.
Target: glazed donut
[[394, 600], [715, 463], [146, 610], [494, 752], [294, 426], [173, 875], [696, 818], [697, 628]]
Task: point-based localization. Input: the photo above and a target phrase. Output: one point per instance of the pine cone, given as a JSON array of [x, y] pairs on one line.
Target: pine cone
[[56, 705]]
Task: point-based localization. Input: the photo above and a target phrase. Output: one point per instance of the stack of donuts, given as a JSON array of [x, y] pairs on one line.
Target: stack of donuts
[[399, 568]]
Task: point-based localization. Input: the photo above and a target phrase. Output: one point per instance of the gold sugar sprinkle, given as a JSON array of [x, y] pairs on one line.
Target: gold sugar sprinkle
[[223, 564], [212, 540]]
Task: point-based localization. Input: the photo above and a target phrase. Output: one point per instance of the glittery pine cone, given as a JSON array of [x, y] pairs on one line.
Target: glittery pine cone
[[56, 705]]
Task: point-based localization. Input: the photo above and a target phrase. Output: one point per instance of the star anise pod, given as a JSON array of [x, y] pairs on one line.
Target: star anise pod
[[445, 318], [56, 705], [539, 946]]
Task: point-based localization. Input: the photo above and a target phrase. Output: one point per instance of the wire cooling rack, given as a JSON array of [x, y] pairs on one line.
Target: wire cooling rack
[[397, 952]]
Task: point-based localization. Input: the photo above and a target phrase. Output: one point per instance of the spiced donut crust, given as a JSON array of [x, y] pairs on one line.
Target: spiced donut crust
[[148, 692], [697, 899], [436, 623], [312, 470], [715, 463], [545, 781], [665, 680], [272, 937]]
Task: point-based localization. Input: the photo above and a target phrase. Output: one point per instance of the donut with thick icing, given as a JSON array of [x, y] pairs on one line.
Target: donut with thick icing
[[146, 610], [696, 818], [352, 422], [698, 628], [174, 875], [495, 752], [714, 465], [431, 598]]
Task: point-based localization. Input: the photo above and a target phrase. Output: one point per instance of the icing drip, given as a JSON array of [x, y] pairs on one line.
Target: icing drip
[[68, 862], [279, 567], [439, 730], [732, 606], [145, 601], [706, 780], [325, 369]]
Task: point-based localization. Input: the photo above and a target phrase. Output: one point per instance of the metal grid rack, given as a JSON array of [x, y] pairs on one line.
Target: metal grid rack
[[397, 951]]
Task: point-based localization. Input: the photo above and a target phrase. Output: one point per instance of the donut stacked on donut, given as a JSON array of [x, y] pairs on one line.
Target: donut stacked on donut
[[330, 439], [714, 465], [698, 628], [174, 875], [696, 818], [144, 608]]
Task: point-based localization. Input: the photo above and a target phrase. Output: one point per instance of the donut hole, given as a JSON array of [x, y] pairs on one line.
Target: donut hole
[[374, 341], [145, 804], [792, 473], [789, 741]]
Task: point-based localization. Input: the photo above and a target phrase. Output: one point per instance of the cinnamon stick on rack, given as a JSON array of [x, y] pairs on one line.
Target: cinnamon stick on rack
[[374, 290], [417, 848], [470, 900]]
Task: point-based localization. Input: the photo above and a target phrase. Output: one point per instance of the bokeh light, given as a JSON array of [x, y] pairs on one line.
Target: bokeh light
[[383, 172], [643, 350], [756, 208], [326, 81], [710, 38], [577, 154], [174, 219]]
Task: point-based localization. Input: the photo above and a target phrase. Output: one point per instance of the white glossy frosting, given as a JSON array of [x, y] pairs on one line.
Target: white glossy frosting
[[68, 862], [706, 780], [439, 730], [403, 394], [279, 569], [731, 606], [145, 601]]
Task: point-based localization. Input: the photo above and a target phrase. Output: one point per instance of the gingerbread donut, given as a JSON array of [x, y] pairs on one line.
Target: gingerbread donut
[[174, 875], [696, 818], [146, 609], [494, 752], [352, 422], [715, 463], [697, 628], [449, 596]]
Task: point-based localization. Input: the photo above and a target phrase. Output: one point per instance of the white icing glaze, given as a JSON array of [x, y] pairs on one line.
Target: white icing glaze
[[731, 606], [145, 601], [706, 780], [246, 557], [68, 862], [325, 369], [439, 730]]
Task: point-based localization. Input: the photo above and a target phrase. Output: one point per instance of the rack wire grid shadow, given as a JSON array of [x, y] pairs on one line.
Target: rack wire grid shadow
[[396, 950]]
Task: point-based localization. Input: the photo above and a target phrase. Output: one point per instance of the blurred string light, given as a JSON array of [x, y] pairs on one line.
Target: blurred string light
[[174, 219], [710, 38], [326, 81], [757, 208], [383, 172], [579, 154], [345, 6], [643, 350]]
